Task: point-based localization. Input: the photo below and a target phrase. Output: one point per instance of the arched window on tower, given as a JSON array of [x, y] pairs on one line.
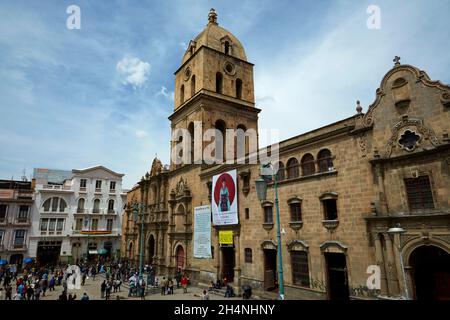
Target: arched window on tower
[[239, 88], [219, 82], [227, 47], [192, 85], [182, 94]]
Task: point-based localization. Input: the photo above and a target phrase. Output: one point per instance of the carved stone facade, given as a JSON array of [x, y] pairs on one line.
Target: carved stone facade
[[341, 186]]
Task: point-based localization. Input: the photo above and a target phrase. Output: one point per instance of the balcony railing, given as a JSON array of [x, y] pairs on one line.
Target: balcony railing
[[81, 210], [56, 187]]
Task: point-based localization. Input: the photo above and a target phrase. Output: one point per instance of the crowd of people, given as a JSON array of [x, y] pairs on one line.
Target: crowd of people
[[34, 282]]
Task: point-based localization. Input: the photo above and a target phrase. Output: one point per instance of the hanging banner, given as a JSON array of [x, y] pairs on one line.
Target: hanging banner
[[226, 238], [202, 232], [224, 199]]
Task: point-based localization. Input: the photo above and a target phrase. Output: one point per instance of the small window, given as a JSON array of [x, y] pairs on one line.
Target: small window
[[268, 214], [219, 82], [23, 212], [55, 204], [98, 184], [96, 206], [83, 183], [182, 94], [60, 225], [112, 186], [247, 213], [239, 88], [109, 224], [94, 224], [79, 224], [111, 206], [420, 196], [19, 237], [80, 208], [192, 85], [44, 225], [296, 211], [227, 47], [47, 204], [212, 252], [3, 211], [248, 255], [300, 269], [330, 209], [308, 165]]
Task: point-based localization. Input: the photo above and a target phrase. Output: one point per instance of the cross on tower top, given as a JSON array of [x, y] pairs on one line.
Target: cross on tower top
[[397, 60], [212, 16]]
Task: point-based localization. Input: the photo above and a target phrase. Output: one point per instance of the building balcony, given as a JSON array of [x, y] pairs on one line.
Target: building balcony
[[50, 212], [51, 233], [18, 247], [54, 188], [330, 224], [111, 212], [22, 221]]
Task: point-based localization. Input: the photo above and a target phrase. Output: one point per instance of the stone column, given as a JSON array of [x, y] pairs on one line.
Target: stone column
[[380, 263], [398, 264], [391, 268]]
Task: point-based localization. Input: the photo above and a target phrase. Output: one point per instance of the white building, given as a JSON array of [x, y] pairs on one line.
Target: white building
[[77, 214]]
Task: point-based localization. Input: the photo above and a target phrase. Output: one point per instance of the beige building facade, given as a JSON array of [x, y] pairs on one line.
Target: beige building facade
[[341, 188]]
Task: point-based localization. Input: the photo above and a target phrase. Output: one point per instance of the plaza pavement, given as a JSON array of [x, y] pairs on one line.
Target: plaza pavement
[[92, 288]]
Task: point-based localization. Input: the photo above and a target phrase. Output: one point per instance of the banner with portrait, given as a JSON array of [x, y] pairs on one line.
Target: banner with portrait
[[202, 232], [224, 199]]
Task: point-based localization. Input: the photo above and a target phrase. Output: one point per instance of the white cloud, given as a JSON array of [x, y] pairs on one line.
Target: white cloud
[[133, 71], [184, 45], [141, 134], [165, 93]]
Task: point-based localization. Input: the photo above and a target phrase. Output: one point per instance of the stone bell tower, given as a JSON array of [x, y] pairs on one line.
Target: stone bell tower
[[214, 85]]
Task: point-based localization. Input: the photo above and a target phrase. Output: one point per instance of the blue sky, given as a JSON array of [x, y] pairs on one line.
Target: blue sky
[[102, 94]]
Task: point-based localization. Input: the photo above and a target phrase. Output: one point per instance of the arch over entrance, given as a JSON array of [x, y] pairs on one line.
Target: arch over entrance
[[180, 257], [151, 249], [430, 273]]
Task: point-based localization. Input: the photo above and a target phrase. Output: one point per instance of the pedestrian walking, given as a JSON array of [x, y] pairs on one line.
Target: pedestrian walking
[[184, 283], [143, 289], [103, 289], [163, 286]]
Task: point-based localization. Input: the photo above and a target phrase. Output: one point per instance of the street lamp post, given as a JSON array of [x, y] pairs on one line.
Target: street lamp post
[[261, 190], [398, 230], [138, 210]]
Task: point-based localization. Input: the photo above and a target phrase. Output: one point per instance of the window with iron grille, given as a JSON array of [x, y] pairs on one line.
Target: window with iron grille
[[268, 214], [296, 211], [248, 255], [300, 269], [419, 193]]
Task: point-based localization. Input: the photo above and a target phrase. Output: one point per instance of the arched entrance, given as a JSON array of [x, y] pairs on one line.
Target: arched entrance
[[151, 249], [430, 273], [180, 258]]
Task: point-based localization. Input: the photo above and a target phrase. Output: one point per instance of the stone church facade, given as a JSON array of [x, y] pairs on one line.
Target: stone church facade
[[341, 188]]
